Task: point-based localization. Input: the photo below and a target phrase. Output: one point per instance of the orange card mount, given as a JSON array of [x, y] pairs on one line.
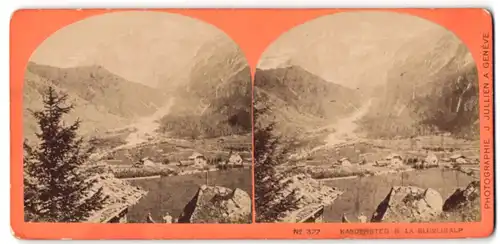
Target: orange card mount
[[327, 124]]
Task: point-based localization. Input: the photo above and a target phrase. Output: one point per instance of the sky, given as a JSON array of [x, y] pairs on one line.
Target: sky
[[354, 49], [144, 47]]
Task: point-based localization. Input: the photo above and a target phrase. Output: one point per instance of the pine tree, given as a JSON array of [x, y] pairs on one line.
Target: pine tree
[[270, 202], [56, 187]]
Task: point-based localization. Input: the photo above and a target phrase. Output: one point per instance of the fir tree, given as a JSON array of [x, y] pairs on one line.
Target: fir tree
[[56, 186], [270, 201]]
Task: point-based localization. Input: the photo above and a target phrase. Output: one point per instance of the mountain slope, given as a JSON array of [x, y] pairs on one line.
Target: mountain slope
[[101, 99], [217, 99], [299, 99], [432, 87], [101, 87]]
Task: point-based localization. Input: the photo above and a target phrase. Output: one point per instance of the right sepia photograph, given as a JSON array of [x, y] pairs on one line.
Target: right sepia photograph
[[366, 116]]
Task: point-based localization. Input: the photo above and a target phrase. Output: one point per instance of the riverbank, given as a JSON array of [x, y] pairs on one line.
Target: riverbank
[[171, 194], [162, 172], [386, 172], [363, 194]]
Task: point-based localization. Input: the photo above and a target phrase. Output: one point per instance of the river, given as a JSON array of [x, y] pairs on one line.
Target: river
[[362, 195]]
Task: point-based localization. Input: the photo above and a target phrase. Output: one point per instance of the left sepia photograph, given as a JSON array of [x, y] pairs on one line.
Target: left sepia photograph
[[138, 117]]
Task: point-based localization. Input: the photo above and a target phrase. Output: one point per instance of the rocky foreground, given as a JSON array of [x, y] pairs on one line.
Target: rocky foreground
[[311, 195], [414, 204], [120, 195], [311, 191], [216, 204]]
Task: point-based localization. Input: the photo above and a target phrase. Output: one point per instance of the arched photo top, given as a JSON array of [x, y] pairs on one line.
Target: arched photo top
[[122, 66], [372, 107], [352, 47], [152, 94], [133, 43]]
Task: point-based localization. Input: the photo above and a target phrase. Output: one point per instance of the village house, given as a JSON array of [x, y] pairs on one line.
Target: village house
[[394, 159], [198, 159], [147, 162], [431, 160], [185, 163], [458, 159], [235, 159], [344, 162], [381, 163]]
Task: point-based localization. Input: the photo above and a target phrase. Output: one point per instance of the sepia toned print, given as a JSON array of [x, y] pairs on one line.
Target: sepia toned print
[[137, 117], [367, 117]]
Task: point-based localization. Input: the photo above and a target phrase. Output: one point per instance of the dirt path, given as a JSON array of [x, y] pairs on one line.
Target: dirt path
[[147, 126], [345, 128]]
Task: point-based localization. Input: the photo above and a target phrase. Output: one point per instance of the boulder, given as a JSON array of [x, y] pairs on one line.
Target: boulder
[[409, 204], [216, 204], [309, 190], [120, 195], [463, 197], [311, 196]]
